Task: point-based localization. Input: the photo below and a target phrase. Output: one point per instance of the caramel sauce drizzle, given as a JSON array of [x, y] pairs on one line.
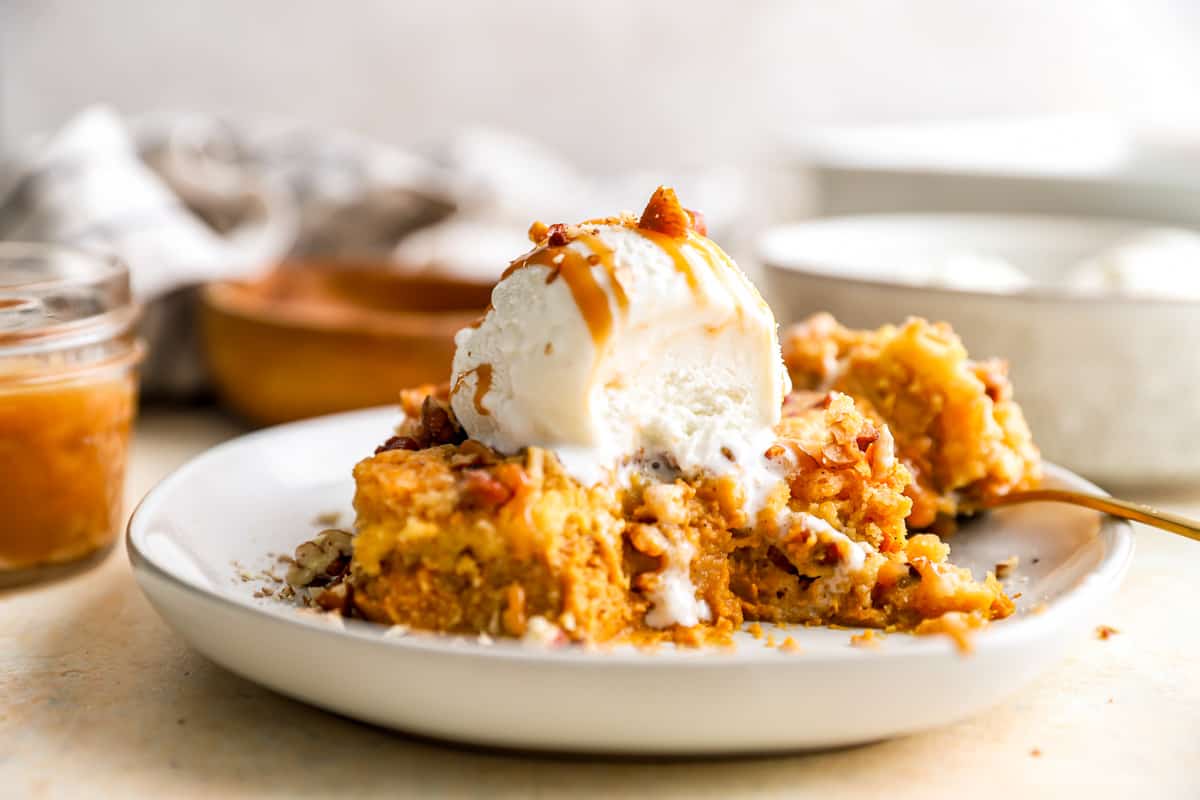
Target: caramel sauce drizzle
[[720, 264], [576, 269], [591, 298], [723, 268], [483, 383], [673, 247]]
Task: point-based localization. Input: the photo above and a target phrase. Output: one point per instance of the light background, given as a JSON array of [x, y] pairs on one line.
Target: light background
[[615, 84]]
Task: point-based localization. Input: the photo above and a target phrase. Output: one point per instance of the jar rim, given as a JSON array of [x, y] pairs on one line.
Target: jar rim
[[104, 265], [57, 297]]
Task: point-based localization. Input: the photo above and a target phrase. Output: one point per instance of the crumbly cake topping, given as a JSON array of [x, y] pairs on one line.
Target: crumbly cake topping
[[954, 422], [460, 530], [661, 558]]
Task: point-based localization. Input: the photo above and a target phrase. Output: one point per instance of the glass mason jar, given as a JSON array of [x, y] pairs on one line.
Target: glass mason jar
[[68, 396]]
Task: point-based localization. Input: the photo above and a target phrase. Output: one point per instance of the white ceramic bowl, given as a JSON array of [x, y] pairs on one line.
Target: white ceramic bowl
[[1109, 385], [1082, 165]]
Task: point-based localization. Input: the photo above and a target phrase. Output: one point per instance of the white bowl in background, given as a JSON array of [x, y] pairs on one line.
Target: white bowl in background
[[1077, 164], [1110, 385]]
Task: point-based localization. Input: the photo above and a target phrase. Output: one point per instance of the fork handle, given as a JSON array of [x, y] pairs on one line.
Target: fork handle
[[1167, 521]]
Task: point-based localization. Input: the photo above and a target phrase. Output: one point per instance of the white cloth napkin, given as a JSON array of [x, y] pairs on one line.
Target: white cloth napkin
[[184, 199], [87, 187]]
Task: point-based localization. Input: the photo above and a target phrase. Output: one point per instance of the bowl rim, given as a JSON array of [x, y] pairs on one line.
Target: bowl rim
[[231, 298], [1037, 294]]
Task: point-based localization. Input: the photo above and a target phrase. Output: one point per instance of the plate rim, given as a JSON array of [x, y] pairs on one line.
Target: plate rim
[[1092, 589]]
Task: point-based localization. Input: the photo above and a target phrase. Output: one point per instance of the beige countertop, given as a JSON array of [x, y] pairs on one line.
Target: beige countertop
[[100, 698]]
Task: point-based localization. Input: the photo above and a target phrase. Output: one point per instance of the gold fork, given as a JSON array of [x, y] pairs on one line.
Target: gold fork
[[1175, 523]]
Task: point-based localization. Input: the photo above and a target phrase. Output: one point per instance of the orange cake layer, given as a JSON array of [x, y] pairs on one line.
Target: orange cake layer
[[452, 536]]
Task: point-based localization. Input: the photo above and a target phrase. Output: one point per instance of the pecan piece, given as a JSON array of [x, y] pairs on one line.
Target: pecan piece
[[399, 443], [428, 421], [335, 598], [482, 490], [439, 423], [558, 234], [319, 555], [837, 455], [866, 437], [665, 215]]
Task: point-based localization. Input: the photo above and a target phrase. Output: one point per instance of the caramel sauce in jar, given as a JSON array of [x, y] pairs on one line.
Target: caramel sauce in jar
[[68, 396]]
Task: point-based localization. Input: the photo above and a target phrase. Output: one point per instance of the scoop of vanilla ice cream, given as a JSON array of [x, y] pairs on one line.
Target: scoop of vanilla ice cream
[[626, 346], [1161, 263]]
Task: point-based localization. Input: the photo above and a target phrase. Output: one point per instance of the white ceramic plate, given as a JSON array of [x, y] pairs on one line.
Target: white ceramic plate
[[223, 512]]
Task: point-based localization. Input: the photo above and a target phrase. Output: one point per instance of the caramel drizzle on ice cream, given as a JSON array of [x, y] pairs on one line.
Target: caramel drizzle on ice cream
[[576, 269], [483, 383], [664, 221], [674, 248], [671, 226]]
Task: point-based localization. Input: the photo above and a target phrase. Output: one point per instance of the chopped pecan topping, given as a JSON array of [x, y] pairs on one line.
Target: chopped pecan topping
[[866, 437], [665, 215], [472, 454], [624, 219], [437, 418], [326, 555], [883, 452], [399, 443], [558, 235], [484, 491], [836, 454], [335, 598], [432, 425]]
